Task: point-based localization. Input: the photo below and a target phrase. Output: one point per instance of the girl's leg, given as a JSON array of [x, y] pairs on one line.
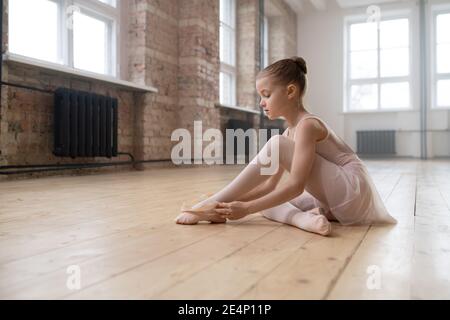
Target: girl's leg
[[306, 202], [310, 220], [250, 177]]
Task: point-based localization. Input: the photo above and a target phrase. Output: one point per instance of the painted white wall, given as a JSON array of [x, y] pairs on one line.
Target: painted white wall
[[321, 43]]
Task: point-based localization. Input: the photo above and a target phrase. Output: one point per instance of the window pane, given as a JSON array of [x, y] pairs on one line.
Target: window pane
[[33, 29], [90, 43], [364, 97], [443, 93], [226, 86], [363, 64], [394, 62], [266, 42], [110, 2], [394, 33], [443, 58], [395, 95], [226, 12], [226, 45], [442, 28], [363, 36]]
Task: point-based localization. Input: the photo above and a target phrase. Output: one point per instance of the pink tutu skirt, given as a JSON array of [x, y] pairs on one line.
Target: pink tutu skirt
[[347, 191]]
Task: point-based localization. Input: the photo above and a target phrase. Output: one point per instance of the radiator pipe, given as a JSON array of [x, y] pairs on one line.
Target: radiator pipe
[[72, 166], [64, 164], [26, 87]]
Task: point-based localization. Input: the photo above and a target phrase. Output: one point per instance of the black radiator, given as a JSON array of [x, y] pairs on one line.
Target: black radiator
[[376, 142], [85, 124]]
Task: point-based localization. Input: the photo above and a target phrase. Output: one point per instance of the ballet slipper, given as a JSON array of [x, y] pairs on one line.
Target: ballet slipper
[[203, 213], [318, 223], [324, 226], [321, 226], [205, 210]]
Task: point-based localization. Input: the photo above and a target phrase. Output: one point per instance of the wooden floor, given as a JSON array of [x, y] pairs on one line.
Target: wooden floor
[[118, 230]]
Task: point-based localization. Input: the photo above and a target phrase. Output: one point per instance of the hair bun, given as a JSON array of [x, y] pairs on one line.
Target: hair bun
[[301, 64]]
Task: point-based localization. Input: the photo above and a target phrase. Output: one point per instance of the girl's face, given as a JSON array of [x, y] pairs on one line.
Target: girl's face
[[275, 99]]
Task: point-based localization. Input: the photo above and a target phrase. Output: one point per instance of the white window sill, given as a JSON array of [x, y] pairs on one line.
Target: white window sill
[[393, 111], [10, 57], [218, 105], [378, 111]]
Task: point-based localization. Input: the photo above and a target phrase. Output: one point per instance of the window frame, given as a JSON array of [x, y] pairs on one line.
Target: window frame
[[230, 69], [436, 10], [266, 43], [379, 80], [65, 41]]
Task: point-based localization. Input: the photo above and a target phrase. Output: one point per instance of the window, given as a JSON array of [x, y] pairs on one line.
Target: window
[[442, 59], [81, 34], [266, 42], [228, 52], [378, 65]]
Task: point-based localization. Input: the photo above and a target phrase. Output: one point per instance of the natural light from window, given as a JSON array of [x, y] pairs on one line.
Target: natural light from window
[[90, 43], [378, 65], [227, 79], [109, 2], [443, 60], [78, 34], [38, 37]]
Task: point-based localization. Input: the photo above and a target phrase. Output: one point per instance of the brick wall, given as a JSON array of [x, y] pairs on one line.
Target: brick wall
[[248, 54], [282, 33], [153, 51], [199, 64], [172, 45]]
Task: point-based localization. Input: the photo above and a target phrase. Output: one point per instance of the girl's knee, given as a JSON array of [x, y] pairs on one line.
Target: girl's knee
[[278, 139], [279, 142]]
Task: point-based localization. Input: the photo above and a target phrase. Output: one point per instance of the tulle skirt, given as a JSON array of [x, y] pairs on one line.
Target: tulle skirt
[[347, 191]]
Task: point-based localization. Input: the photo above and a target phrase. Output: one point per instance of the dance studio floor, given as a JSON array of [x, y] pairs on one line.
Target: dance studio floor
[[113, 236]]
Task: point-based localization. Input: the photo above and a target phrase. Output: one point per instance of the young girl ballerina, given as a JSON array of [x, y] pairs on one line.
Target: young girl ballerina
[[327, 181]]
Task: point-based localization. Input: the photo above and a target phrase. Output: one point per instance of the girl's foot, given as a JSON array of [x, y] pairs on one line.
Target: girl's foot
[[313, 221], [203, 212]]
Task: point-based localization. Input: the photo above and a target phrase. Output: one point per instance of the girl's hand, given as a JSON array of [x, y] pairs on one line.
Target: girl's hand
[[233, 210]]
